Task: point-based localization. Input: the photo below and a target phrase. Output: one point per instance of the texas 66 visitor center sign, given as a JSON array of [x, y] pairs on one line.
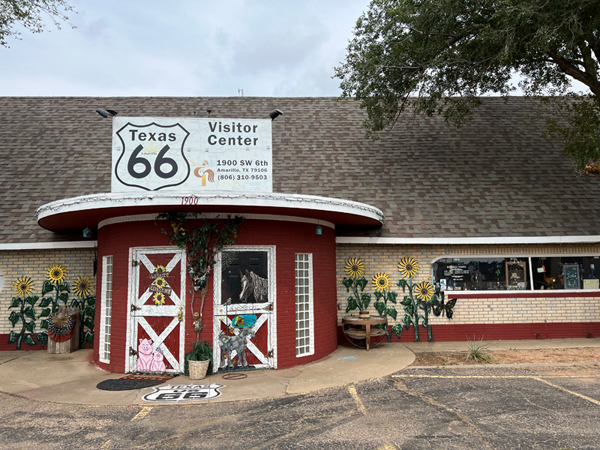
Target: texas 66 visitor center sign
[[191, 154]]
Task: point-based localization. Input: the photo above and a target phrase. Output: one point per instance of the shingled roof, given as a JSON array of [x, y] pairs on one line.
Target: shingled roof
[[496, 176]]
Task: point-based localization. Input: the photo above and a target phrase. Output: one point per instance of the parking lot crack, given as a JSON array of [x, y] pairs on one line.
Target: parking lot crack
[[462, 416], [535, 404]]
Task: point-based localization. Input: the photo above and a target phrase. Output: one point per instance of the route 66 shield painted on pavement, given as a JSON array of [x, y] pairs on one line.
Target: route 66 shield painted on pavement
[[184, 393]]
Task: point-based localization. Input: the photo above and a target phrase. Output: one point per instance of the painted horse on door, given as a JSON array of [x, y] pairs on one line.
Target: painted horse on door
[[243, 326], [156, 310]]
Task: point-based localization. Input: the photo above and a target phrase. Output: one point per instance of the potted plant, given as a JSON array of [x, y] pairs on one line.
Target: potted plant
[[199, 360]]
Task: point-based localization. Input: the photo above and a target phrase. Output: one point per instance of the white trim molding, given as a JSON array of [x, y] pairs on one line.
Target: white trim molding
[[146, 217], [470, 240], [183, 199], [49, 245]]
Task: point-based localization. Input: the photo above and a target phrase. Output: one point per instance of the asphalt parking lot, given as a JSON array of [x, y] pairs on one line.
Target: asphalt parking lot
[[460, 408]]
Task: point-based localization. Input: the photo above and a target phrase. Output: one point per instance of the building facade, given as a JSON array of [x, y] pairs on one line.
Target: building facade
[[495, 217]]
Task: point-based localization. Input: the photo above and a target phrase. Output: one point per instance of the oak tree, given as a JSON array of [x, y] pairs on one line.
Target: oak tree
[[30, 15], [440, 56]]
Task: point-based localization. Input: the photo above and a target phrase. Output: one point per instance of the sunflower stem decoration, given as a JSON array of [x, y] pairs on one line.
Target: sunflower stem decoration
[[83, 288], [417, 303], [381, 284], [55, 281], [355, 269], [25, 313]]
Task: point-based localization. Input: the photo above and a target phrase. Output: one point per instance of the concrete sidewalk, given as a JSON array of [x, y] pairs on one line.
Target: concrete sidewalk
[[73, 378]]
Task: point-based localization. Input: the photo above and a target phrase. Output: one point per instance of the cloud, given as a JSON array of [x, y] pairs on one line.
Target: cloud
[[185, 48]]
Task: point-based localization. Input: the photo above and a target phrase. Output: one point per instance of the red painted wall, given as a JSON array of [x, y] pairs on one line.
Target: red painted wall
[[288, 237], [493, 332]]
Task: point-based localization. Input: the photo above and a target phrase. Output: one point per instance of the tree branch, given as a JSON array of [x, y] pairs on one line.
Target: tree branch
[[568, 68]]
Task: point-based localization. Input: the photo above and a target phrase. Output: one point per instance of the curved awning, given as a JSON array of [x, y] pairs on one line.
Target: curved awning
[[88, 211]]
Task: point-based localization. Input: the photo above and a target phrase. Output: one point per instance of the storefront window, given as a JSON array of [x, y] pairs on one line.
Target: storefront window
[[513, 273], [482, 274], [565, 272]]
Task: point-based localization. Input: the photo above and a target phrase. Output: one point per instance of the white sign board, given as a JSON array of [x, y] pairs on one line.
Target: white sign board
[[192, 155]]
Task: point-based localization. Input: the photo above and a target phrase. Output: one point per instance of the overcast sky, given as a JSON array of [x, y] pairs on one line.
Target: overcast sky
[[185, 48]]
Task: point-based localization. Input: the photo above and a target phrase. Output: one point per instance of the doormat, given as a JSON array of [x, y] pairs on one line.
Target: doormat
[[131, 383], [146, 376]]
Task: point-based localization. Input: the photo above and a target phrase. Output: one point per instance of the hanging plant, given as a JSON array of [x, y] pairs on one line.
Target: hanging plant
[[355, 270], [381, 284], [202, 244]]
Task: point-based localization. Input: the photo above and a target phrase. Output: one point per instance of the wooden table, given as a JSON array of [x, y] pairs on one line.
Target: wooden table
[[361, 328]]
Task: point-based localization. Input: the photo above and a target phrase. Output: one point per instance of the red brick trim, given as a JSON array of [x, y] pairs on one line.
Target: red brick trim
[[528, 294], [491, 332]]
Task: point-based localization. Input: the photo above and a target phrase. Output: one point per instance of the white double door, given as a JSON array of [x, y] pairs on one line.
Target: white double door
[[156, 310]]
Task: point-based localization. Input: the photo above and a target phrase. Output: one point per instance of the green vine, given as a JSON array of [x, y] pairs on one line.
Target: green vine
[[202, 244]]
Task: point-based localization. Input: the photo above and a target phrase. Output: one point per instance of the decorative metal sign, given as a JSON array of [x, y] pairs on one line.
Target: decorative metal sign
[[192, 155], [184, 393]]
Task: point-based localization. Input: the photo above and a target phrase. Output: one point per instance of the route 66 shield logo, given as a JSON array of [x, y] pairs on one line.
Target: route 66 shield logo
[[150, 157], [183, 393]]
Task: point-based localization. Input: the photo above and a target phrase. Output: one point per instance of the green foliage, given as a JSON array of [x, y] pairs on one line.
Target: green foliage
[[61, 294], [88, 337], [360, 299], [43, 338], [14, 318], [430, 57], [478, 352], [30, 15], [382, 308], [87, 315], [575, 124], [201, 351], [415, 311], [26, 315], [48, 286], [201, 244]]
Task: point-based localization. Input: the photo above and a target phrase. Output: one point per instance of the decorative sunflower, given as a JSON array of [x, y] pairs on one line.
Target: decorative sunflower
[[56, 273], [424, 291], [381, 282], [23, 286], [83, 286], [160, 269], [178, 228], [159, 298], [408, 267], [354, 268], [160, 282]]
